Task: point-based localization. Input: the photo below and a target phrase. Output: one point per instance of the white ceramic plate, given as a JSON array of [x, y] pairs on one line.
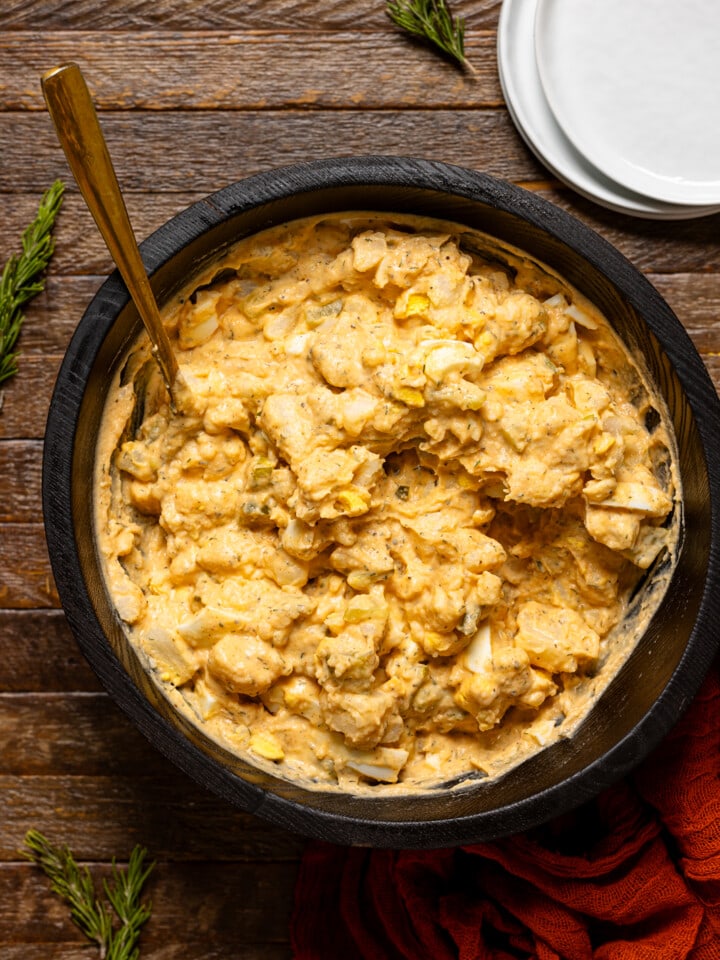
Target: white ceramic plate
[[536, 123], [634, 85]]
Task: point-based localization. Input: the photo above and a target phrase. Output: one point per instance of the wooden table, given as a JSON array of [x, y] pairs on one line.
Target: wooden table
[[193, 96]]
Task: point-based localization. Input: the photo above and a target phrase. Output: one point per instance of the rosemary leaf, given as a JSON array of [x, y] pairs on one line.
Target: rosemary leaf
[[22, 278], [90, 914], [124, 893], [432, 21]]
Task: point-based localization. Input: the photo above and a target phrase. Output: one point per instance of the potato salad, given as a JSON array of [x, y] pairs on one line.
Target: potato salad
[[391, 536]]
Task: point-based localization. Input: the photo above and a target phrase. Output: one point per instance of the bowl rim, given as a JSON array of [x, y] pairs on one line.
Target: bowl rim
[[280, 184]]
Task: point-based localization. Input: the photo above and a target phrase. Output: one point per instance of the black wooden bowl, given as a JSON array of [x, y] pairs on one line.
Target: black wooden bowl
[[656, 682]]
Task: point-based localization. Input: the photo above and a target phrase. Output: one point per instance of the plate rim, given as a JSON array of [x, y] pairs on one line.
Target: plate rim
[[611, 163]]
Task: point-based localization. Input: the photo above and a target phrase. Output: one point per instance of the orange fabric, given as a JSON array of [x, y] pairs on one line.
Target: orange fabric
[[633, 875]]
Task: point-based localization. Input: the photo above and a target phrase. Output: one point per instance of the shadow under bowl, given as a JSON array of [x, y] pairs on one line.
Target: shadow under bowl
[[667, 665]]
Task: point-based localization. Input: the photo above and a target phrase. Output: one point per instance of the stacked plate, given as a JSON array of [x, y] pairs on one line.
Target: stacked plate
[[619, 99]]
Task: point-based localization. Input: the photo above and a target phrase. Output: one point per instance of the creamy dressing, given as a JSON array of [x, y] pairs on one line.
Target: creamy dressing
[[392, 537]]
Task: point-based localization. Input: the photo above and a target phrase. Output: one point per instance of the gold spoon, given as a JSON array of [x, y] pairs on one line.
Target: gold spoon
[[73, 113]]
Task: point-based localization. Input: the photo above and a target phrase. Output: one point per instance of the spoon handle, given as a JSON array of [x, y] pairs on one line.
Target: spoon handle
[[73, 113]]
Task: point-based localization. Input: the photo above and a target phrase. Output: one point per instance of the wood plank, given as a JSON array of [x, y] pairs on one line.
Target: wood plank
[[46, 15], [51, 318], [672, 246], [38, 653], [378, 70], [25, 401], [166, 951], [100, 817], [79, 248], [712, 362], [20, 469], [178, 151], [26, 580], [219, 905], [62, 734], [695, 298]]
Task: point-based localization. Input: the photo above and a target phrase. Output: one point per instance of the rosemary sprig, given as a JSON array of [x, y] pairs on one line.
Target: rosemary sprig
[[92, 915], [432, 21], [22, 278]]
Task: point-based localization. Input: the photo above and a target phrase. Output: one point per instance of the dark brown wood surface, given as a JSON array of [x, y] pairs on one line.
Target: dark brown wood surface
[[193, 96]]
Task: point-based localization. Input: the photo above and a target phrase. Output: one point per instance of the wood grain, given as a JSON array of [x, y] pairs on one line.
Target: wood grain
[[53, 316], [20, 468], [135, 15], [26, 399], [110, 745], [210, 904], [161, 951], [104, 815], [379, 70], [712, 362], [696, 301], [38, 653], [79, 247], [202, 151], [25, 577]]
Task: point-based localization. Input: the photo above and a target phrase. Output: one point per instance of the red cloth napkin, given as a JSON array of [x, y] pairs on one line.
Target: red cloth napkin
[[634, 875]]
